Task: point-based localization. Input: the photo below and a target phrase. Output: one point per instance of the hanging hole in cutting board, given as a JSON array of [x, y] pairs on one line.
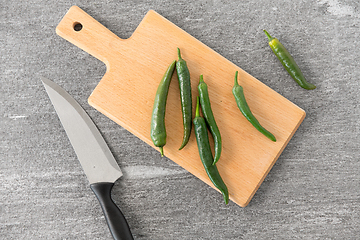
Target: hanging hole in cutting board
[[77, 26]]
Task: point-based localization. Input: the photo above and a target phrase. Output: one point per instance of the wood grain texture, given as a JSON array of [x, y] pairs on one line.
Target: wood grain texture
[[136, 65]]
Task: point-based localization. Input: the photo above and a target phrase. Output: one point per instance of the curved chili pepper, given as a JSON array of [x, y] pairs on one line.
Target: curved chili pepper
[[288, 62], [238, 93], [206, 157], [158, 131], [185, 97], [209, 117]]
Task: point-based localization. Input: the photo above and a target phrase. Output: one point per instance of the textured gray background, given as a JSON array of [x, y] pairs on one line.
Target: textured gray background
[[312, 192]]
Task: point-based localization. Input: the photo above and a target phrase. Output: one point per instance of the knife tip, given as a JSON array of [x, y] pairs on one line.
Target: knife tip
[[43, 79], [47, 82]]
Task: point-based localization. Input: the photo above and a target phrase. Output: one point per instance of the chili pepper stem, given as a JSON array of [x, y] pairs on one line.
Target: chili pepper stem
[[201, 79], [236, 79], [197, 111], [179, 54], [268, 35]]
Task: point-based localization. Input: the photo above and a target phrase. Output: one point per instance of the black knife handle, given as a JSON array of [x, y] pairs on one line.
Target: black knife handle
[[116, 221]]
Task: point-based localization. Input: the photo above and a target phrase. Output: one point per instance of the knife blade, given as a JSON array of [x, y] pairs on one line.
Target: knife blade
[[94, 155]]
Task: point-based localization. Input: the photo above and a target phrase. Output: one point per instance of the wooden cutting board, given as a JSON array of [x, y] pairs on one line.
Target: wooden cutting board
[[135, 67]]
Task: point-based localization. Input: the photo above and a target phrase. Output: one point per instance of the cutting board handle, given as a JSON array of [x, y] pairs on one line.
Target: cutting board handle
[[85, 32]]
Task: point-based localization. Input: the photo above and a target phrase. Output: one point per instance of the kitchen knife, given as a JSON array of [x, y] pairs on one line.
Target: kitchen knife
[[93, 153]]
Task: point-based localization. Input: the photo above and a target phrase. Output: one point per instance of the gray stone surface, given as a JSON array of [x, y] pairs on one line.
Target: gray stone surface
[[312, 192]]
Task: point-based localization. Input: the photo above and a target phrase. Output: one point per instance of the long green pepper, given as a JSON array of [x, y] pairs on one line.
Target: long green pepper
[[185, 97], [288, 62], [209, 117], [206, 157], [158, 130], [238, 93]]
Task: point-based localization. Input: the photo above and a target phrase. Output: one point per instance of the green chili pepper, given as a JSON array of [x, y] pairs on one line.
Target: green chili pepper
[[185, 97], [288, 62], [206, 157], [238, 93], [158, 131], [209, 117]]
